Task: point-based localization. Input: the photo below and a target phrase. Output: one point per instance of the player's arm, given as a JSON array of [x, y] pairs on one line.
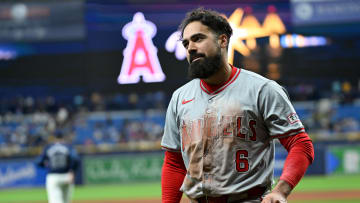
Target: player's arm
[[172, 177], [283, 123], [173, 171], [300, 156], [41, 161]]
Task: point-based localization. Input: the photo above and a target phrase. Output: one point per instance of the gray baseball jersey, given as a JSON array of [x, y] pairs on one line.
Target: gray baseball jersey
[[226, 136]]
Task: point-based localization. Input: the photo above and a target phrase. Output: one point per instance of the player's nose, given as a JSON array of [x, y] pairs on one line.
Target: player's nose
[[191, 55], [191, 47]]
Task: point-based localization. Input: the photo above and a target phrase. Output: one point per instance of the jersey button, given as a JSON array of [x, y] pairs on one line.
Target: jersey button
[[211, 100]]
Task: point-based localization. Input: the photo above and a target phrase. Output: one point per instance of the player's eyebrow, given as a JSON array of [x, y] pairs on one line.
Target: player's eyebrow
[[193, 38]]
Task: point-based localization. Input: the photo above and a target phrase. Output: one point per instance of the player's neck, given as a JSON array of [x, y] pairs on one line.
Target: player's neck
[[221, 76]]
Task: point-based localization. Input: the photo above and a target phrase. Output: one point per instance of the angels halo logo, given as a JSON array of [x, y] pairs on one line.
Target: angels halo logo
[[140, 58]]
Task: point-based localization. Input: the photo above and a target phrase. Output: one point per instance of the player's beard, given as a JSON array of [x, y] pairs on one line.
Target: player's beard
[[205, 67]]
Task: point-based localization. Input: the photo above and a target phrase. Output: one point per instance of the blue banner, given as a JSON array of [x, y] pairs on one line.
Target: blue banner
[[39, 21], [316, 168], [314, 12], [21, 173]]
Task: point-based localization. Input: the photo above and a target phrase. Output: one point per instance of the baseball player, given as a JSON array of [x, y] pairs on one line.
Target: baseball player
[[61, 160], [221, 126]]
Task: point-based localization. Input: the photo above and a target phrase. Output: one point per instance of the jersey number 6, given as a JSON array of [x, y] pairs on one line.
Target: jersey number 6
[[242, 163]]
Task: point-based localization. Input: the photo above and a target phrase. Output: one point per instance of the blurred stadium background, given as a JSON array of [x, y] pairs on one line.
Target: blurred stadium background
[[79, 65]]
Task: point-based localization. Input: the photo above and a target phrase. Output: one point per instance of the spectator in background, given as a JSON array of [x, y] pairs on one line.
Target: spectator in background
[[61, 160]]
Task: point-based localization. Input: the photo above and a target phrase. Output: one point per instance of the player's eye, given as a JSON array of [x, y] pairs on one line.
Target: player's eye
[[196, 39], [185, 44]]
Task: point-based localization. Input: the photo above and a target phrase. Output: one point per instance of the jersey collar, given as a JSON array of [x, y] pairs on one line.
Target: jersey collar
[[214, 89]]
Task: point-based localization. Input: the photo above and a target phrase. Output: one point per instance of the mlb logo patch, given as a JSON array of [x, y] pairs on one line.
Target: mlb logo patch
[[293, 118]]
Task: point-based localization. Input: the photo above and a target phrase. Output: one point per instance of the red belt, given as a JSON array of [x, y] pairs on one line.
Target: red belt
[[251, 193]]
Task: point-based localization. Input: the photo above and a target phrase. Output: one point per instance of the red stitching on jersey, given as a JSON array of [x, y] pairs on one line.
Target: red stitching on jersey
[[203, 87], [218, 91], [203, 84]]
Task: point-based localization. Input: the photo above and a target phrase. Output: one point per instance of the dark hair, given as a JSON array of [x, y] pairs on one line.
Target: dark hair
[[210, 18]]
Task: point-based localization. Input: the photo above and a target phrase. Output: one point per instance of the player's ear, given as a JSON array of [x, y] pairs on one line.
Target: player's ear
[[223, 40]]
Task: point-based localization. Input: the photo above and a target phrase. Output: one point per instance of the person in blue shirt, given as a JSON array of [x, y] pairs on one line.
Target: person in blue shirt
[[61, 161]]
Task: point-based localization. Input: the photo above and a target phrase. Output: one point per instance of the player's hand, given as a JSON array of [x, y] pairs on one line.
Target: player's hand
[[71, 179], [274, 197], [279, 194]]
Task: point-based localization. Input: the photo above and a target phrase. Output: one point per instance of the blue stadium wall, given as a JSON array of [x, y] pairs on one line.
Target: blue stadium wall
[[340, 157]]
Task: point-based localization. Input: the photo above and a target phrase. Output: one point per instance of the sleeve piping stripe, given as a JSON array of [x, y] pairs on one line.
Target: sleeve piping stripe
[[295, 131], [170, 149]]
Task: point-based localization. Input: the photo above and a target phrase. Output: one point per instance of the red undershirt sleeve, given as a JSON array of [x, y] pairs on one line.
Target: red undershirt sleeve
[[300, 156], [172, 177]]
